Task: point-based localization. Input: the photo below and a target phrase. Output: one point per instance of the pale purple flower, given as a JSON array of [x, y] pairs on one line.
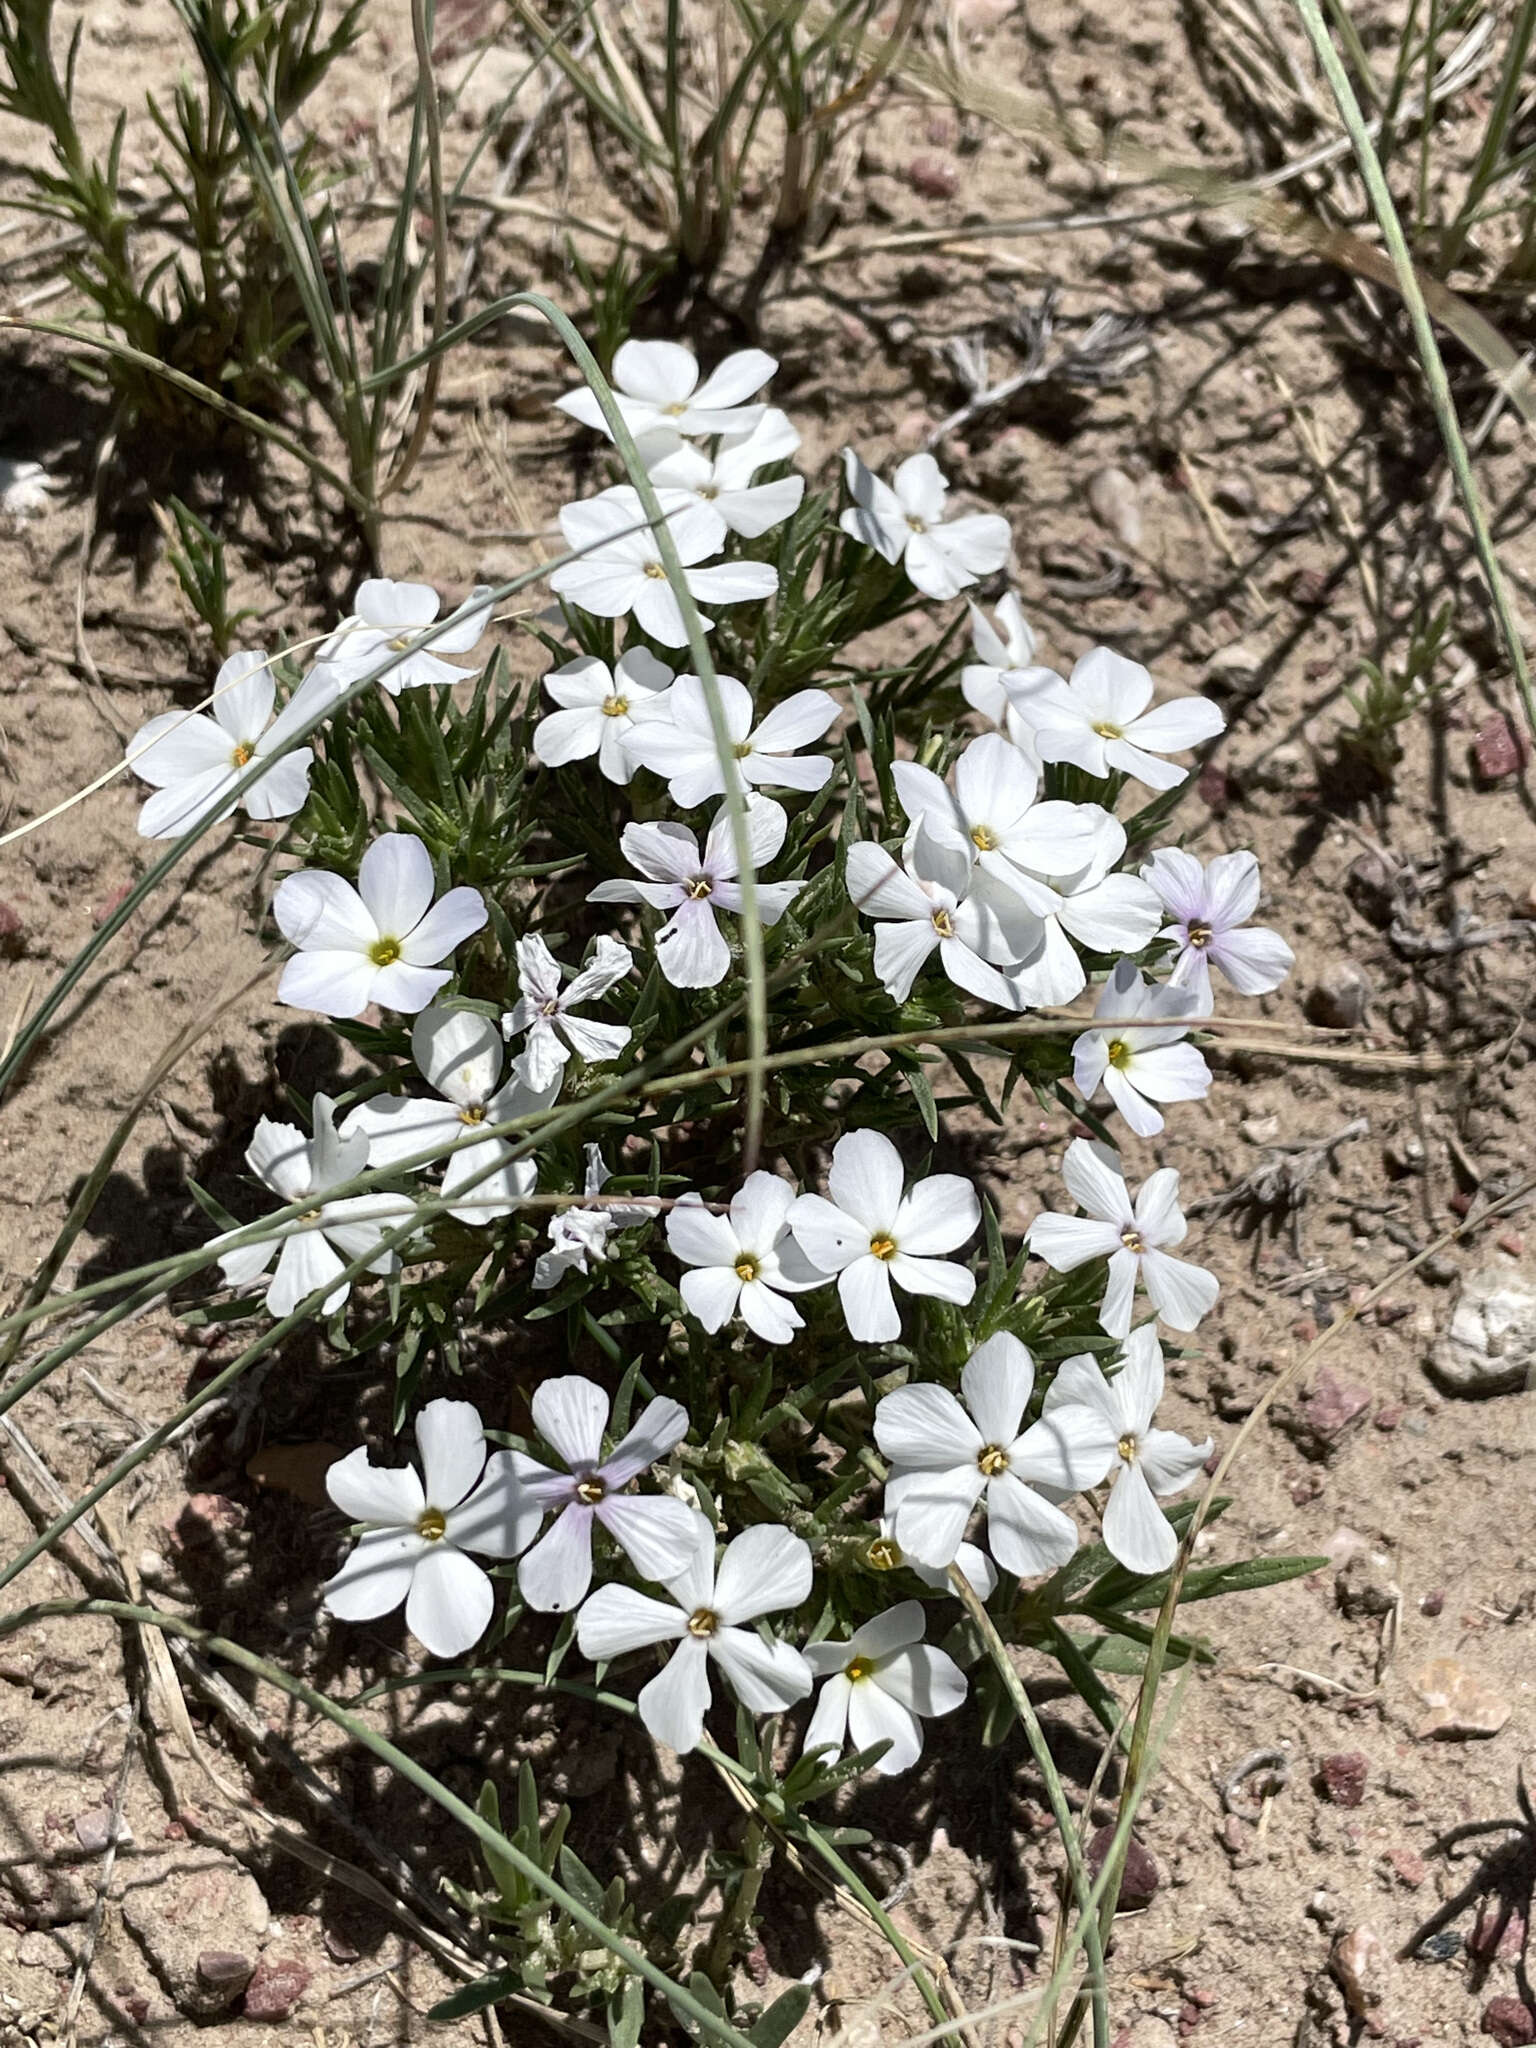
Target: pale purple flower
[[545, 1009], [1207, 907], [1140, 1058], [1133, 1236], [654, 1530], [904, 521], [690, 947]]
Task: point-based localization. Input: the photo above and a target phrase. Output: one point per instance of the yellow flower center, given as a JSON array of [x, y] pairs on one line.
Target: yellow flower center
[[399, 644], [698, 888], [703, 1623], [747, 1267], [310, 1216], [944, 924], [655, 569], [1106, 731], [1199, 934], [742, 749], [883, 1555], [883, 1247], [615, 707], [475, 1114], [1127, 1448], [243, 755], [590, 1491], [916, 525], [1133, 1240], [859, 1668], [432, 1525], [992, 1459], [983, 838], [1119, 1053], [384, 952]]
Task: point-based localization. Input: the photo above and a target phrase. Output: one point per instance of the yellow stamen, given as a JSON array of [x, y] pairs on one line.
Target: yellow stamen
[[992, 1459], [475, 1114], [590, 1491], [615, 707], [944, 924], [860, 1667], [983, 838], [1109, 732], [655, 569], [1199, 935], [1118, 1053], [243, 755], [698, 888], [1127, 1448], [702, 1623], [384, 952], [747, 1268], [432, 1525], [883, 1555], [883, 1248], [1133, 1240]]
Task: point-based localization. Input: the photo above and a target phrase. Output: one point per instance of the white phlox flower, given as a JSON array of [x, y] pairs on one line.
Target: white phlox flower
[[193, 761], [1096, 907], [545, 1009], [418, 1531], [875, 1232], [1099, 721], [1133, 1236], [1004, 670], [1207, 907], [377, 943], [1140, 1059], [724, 480], [745, 1262], [764, 1570], [880, 1686], [317, 1246], [1149, 1463], [694, 886], [682, 748], [937, 898], [992, 817], [388, 618], [885, 1554], [459, 1055], [657, 389], [653, 1529], [577, 1234], [904, 522], [946, 1457], [620, 574], [598, 707]]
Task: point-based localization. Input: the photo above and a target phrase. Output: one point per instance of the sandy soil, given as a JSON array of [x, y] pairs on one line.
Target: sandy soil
[[1291, 503]]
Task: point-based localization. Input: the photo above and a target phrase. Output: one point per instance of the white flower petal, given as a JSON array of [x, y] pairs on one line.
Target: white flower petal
[[940, 1278], [1181, 1293], [1026, 1534], [502, 1515], [829, 1238], [674, 1703], [390, 1497], [763, 1569], [829, 1719], [865, 1179], [932, 1513], [923, 1427], [374, 1577], [452, 919], [554, 1575], [767, 1677], [937, 1215], [691, 949], [571, 1413], [659, 1429], [1136, 1531], [459, 1052], [394, 879], [617, 1619], [873, 1716], [998, 1379], [864, 1288], [1094, 1183], [451, 1601], [923, 1678], [321, 912], [451, 1441], [653, 1529]]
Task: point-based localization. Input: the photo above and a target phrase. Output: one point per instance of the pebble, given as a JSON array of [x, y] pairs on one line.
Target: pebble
[[1490, 1347], [1496, 752], [1139, 1880], [1341, 1777], [1364, 1586], [1359, 1962], [1499, 1933], [1460, 1702], [1408, 1867], [1509, 2021], [96, 1829], [1333, 1406], [1215, 789], [1308, 588], [1433, 1603], [1259, 1130], [934, 177], [276, 1988], [189, 1904], [1340, 997], [1369, 885], [1443, 1947], [1239, 666], [224, 1972], [1113, 500]]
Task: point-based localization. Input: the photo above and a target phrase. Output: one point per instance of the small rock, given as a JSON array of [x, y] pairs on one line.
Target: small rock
[[499, 565], [1235, 494], [1333, 1406], [1460, 1702], [1509, 2021], [1238, 667], [1370, 885], [224, 1973], [1490, 1347], [1341, 1777], [1359, 1962], [1113, 501], [934, 177], [1496, 752], [1510, 1241], [1443, 1947], [1408, 1867], [1404, 1156], [1259, 1130], [1341, 997], [25, 488], [276, 1988], [1215, 789], [97, 1829], [205, 1518], [1433, 1603], [1281, 768], [39, 1951], [186, 1904], [1139, 1880], [1499, 1932], [1364, 1586], [1387, 1419], [1309, 589]]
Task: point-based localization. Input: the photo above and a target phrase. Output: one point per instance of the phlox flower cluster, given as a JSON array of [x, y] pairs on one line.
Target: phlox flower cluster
[[995, 877]]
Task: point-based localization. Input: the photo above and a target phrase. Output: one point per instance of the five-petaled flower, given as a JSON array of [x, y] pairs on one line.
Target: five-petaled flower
[[993, 817], [1139, 1056], [904, 522], [657, 390], [690, 947], [313, 1249], [938, 899], [880, 1686], [1133, 1236], [1207, 907], [377, 943], [724, 480], [599, 706], [763, 1570], [652, 1528], [875, 1232], [619, 572], [417, 1531], [682, 748], [745, 1262], [460, 1058], [1148, 1463], [945, 1459], [387, 624], [1099, 720], [545, 1009], [580, 1232], [194, 762]]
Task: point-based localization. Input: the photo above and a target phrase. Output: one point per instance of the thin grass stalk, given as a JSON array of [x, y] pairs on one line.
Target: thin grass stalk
[[1430, 358], [406, 1767], [1487, 167], [426, 88], [1061, 1812]]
